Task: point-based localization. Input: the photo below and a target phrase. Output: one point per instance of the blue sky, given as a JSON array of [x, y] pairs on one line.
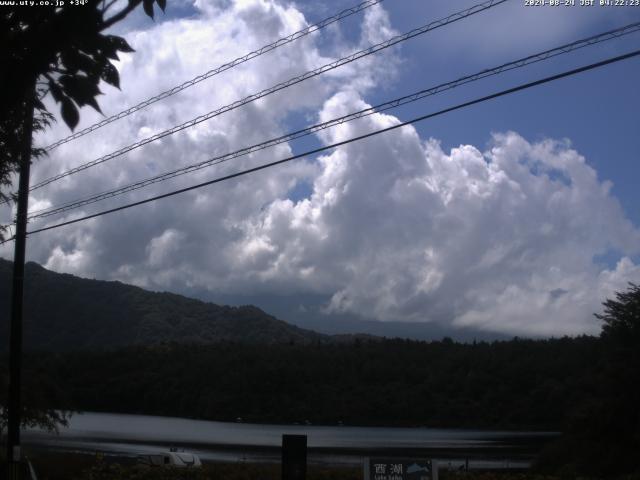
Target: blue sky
[[516, 216], [597, 111]]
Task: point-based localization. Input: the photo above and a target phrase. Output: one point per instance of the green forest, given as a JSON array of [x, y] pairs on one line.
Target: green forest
[[517, 384]]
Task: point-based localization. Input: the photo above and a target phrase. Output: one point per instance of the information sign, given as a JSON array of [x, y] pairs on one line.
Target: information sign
[[400, 469]]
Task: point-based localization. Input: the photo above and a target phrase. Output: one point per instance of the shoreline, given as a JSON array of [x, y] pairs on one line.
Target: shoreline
[[503, 458]]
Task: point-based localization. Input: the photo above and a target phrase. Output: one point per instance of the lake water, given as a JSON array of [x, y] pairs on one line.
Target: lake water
[[130, 435]]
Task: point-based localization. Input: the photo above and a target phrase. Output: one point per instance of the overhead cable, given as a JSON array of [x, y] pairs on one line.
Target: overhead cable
[[564, 49], [222, 68], [351, 140], [280, 86]]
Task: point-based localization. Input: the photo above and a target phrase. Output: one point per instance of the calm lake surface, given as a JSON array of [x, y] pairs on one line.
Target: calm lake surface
[[130, 435]]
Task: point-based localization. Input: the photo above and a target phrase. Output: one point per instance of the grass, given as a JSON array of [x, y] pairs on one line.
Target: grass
[[78, 466]]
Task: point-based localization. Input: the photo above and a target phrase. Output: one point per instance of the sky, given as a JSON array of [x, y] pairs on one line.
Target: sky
[[513, 217]]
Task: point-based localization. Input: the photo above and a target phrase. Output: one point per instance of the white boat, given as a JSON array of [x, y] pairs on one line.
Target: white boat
[[172, 458]]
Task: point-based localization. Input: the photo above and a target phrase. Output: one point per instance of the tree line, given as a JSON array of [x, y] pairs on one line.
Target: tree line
[[517, 384]]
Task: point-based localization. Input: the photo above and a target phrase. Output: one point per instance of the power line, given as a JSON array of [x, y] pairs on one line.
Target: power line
[[222, 68], [351, 140], [564, 49], [280, 86], [12, 237]]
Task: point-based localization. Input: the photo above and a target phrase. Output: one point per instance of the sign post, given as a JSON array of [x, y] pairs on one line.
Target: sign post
[[400, 469], [294, 457]]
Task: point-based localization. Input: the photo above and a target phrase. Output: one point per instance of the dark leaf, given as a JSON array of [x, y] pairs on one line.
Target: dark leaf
[[119, 43], [101, 59], [110, 75], [148, 7], [79, 86], [39, 105], [75, 61], [56, 92], [110, 52], [82, 89], [69, 63], [162, 4], [69, 113], [109, 45], [93, 103]]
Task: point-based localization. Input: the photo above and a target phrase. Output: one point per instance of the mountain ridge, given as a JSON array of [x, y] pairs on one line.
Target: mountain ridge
[[65, 312]]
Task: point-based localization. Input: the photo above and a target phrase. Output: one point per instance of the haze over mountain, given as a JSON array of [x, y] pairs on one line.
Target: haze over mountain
[[309, 311], [65, 312]]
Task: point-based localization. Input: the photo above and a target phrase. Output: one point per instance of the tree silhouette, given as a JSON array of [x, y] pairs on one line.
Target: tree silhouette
[[618, 418], [621, 344], [602, 436], [64, 52], [622, 317]]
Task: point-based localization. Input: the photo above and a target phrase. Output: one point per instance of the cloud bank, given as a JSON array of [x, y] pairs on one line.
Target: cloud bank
[[393, 227]]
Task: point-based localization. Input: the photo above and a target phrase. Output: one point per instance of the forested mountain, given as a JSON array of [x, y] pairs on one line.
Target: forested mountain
[[65, 312]]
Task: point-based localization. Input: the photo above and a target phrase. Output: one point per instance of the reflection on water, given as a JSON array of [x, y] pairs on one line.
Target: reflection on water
[[218, 441]]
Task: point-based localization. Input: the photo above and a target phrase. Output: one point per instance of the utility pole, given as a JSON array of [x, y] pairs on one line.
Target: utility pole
[[15, 339]]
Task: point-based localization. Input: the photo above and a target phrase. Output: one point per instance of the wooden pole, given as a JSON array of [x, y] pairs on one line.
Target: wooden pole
[[15, 340]]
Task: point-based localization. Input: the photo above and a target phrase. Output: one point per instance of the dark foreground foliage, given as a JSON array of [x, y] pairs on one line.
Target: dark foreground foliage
[[272, 472], [602, 431], [73, 466], [212, 472], [63, 51]]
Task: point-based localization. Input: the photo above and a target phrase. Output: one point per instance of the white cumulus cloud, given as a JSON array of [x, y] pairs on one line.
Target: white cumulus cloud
[[397, 229], [394, 228]]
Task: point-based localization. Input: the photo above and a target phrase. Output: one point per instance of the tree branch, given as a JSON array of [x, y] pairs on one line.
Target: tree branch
[[108, 6], [119, 16]]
